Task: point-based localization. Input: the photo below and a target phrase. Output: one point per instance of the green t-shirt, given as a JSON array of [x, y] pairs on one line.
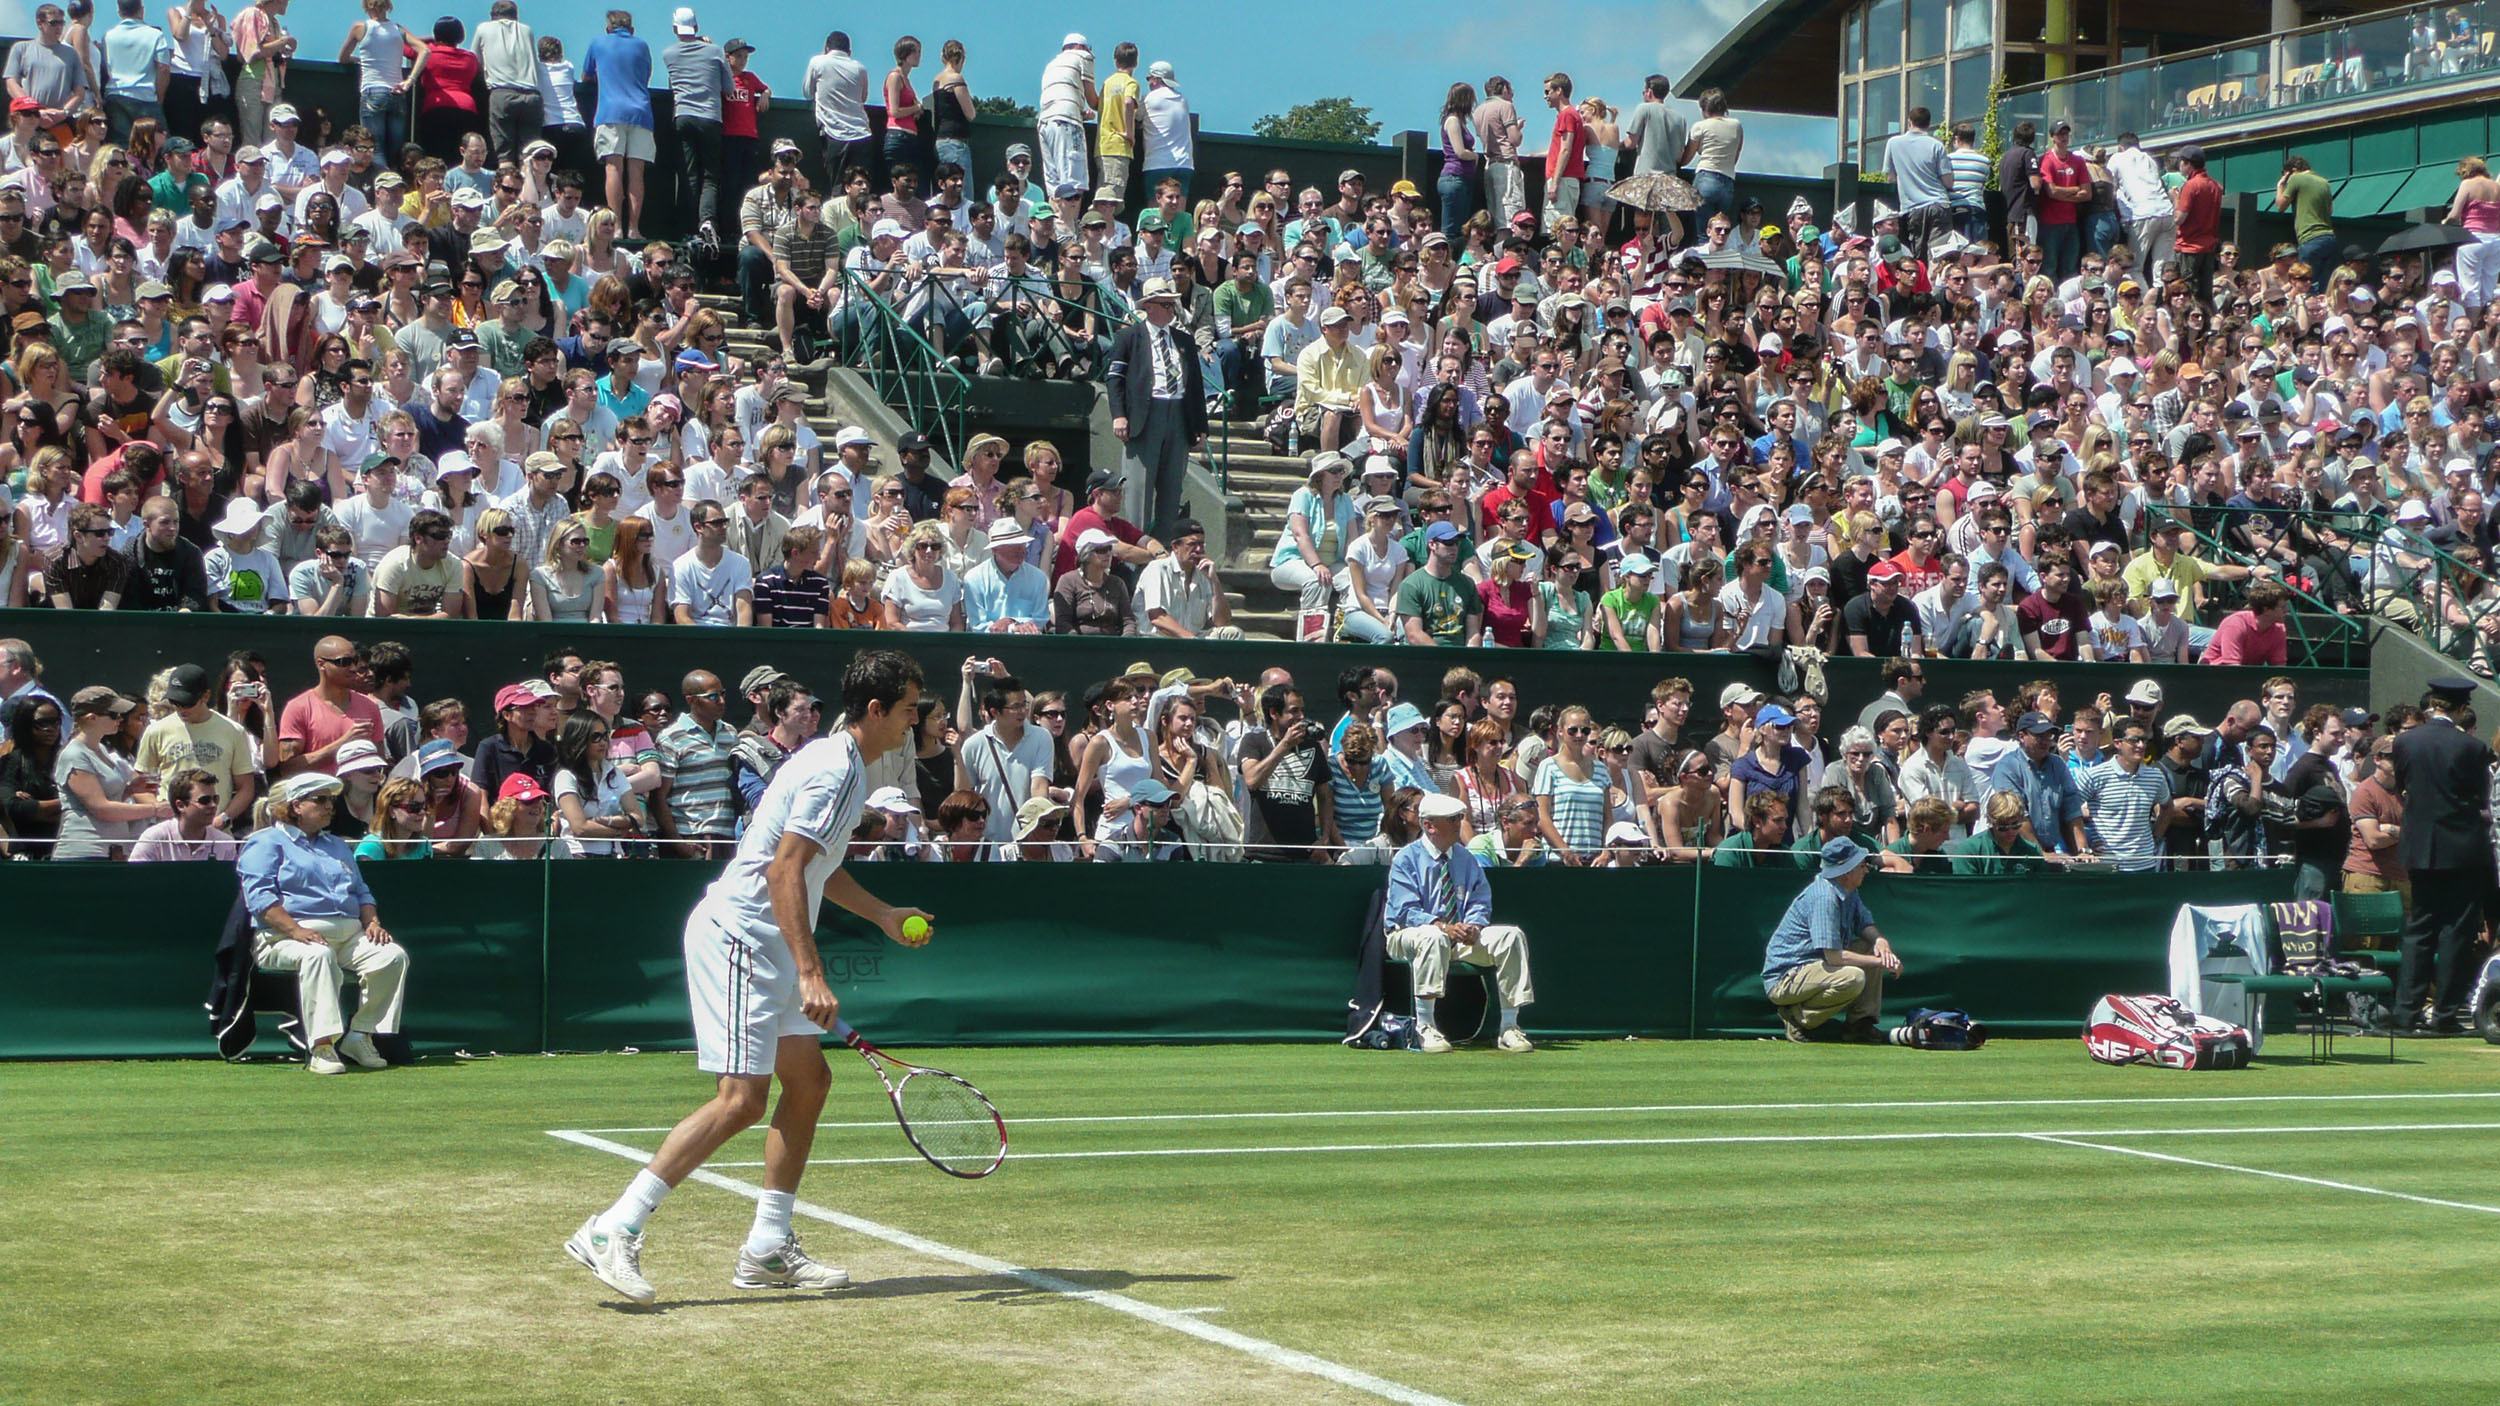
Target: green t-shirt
[[1941, 862], [1441, 605], [1634, 616], [1809, 847], [1734, 853], [2313, 206], [1979, 855]]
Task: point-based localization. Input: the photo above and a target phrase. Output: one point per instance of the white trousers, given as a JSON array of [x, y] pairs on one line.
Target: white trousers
[[1505, 192], [321, 972], [1428, 952], [2478, 269]]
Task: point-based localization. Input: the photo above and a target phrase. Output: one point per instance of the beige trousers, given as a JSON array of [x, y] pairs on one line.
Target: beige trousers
[[321, 972], [1818, 990], [1428, 952]]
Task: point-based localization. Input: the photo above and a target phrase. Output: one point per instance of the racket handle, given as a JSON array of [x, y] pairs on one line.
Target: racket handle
[[843, 1028]]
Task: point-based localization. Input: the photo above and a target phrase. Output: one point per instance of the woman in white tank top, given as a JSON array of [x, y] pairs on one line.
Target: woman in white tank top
[[379, 49], [1116, 759]]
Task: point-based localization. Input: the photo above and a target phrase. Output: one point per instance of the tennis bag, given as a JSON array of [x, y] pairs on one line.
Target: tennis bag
[[1940, 1030], [2160, 1031]]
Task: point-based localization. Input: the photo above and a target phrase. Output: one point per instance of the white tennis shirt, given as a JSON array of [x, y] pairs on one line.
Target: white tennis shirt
[[818, 793]]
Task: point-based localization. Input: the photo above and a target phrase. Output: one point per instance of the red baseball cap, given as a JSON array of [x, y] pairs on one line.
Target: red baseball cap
[[521, 786], [24, 105], [1883, 570]]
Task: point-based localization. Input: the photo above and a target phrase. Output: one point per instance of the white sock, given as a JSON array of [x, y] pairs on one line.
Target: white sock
[[772, 1222], [1510, 1018], [641, 1198], [1423, 1009]]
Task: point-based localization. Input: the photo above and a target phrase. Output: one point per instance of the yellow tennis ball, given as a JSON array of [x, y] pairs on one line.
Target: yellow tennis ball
[[915, 929]]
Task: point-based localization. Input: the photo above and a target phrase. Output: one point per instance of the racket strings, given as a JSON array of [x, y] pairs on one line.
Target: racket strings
[[950, 1121]]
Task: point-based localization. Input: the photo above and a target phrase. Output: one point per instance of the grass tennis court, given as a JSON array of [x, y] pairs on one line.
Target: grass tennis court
[[1631, 1222]]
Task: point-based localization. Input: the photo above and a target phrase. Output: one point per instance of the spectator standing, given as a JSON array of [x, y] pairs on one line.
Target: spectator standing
[[2197, 212], [1970, 170], [316, 723], [1008, 761], [1712, 151], [2372, 864], [1566, 152], [836, 88], [1922, 182], [2144, 203], [445, 79], [2064, 188], [1498, 132], [1169, 147], [138, 63], [619, 62], [1116, 131], [2017, 169], [103, 803], [1158, 409], [2312, 202], [195, 738], [508, 53], [267, 50], [695, 755], [1069, 97], [2034, 772], [2121, 798], [698, 81]]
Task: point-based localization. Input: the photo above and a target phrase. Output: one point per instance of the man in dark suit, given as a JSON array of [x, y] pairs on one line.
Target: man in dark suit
[[2444, 774], [1158, 407]]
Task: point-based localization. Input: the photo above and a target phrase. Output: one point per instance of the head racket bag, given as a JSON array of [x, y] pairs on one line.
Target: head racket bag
[[2159, 1031]]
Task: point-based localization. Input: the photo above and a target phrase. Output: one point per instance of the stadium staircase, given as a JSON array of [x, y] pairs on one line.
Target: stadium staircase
[[1261, 480]]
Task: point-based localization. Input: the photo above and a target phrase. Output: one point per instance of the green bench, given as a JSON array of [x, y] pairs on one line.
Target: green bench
[[2317, 988]]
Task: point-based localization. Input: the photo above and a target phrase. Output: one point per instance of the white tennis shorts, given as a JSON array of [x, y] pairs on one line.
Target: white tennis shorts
[[745, 997], [622, 139]]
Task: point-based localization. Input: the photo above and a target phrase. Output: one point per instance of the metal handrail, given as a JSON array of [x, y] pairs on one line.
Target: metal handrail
[[2309, 628], [906, 371], [2444, 571]]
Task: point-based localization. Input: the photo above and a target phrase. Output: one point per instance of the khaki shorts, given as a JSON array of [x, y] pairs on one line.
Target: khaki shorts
[[618, 139]]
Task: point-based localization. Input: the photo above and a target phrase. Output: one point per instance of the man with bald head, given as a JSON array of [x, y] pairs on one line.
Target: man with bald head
[[695, 753], [332, 713]]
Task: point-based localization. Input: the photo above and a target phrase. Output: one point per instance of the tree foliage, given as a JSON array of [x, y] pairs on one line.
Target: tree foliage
[[1321, 120], [1008, 108]]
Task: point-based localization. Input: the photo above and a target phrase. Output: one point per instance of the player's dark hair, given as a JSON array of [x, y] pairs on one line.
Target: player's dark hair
[[877, 676]]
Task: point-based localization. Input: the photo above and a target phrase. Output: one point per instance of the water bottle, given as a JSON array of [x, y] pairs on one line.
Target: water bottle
[[1906, 650]]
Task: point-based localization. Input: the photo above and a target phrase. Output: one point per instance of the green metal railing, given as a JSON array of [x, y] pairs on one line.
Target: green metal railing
[[905, 370], [2444, 580], [2320, 633]]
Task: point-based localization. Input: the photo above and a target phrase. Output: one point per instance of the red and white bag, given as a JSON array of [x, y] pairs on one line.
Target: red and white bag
[[2160, 1031]]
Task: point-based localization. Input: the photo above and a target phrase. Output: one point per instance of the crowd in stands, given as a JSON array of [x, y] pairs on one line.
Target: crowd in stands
[[421, 361], [304, 365], [580, 762]]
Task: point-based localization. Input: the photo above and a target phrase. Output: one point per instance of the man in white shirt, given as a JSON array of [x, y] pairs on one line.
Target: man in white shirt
[[1179, 594], [1009, 760], [712, 585], [671, 521], [237, 194], [378, 517], [333, 179], [2144, 202], [757, 986], [1171, 147], [836, 85], [1069, 97]]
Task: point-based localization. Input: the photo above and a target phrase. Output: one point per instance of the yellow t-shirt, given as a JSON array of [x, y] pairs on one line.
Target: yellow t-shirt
[[2184, 572], [1119, 114], [216, 744]]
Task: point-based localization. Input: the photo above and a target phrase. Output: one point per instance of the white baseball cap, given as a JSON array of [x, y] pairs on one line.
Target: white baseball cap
[[683, 21]]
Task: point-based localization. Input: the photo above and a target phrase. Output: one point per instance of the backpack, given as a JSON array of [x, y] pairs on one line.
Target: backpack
[[1940, 1030], [2160, 1031]]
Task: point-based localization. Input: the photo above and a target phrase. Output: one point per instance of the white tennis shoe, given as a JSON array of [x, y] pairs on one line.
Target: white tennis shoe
[[788, 1267], [1434, 1042], [616, 1257], [324, 1059], [357, 1047], [1514, 1042]]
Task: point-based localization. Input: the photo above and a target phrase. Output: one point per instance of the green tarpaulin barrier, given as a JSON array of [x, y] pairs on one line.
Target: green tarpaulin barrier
[[114, 961]]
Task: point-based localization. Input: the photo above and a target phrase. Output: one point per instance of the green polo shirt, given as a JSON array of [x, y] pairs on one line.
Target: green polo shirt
[[1980, 856], [166, 193]]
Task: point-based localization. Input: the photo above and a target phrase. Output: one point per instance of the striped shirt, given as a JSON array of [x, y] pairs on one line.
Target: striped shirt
[[1357, 802], [793, 604], [1579, 806], [1971, 168], [2120, 822], [808, 255], [696, 763]]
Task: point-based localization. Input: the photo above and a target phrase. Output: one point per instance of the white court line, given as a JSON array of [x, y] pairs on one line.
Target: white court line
[[2262, 1172], [1179, 1321], [1533, 1111], [1729, 1139]]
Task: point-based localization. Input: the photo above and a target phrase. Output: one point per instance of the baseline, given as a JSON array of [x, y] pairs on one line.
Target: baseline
[[1566, 1110], [1177, 1320]]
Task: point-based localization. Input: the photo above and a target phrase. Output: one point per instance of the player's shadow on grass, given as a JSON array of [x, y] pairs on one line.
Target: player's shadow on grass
[[971, 1288]]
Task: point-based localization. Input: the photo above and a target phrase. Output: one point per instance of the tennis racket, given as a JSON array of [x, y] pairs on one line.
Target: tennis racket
[[946, 1119]]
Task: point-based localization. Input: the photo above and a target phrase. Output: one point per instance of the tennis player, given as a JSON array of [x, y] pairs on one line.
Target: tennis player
[[758, 988]]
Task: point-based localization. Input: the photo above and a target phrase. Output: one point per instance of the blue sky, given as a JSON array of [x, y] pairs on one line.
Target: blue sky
[[1399, 59]]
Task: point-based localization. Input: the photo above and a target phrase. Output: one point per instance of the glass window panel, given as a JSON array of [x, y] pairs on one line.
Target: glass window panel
[[1971, 23], [1927, 26], [1852, 25], [1848, 117], [1927, 89], [1883, 34], [1971, 77], [1883, 107]]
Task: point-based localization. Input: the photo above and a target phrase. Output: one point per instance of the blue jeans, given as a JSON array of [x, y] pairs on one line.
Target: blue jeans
[[1971, 224], [2321, 254], [1457, 194], [956, 150], [121, 113], [384, 114], [2061, 251], [1718, 197]]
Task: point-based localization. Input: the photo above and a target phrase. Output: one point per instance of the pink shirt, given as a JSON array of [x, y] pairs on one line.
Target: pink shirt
[[2240, 639], [316, 723]]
